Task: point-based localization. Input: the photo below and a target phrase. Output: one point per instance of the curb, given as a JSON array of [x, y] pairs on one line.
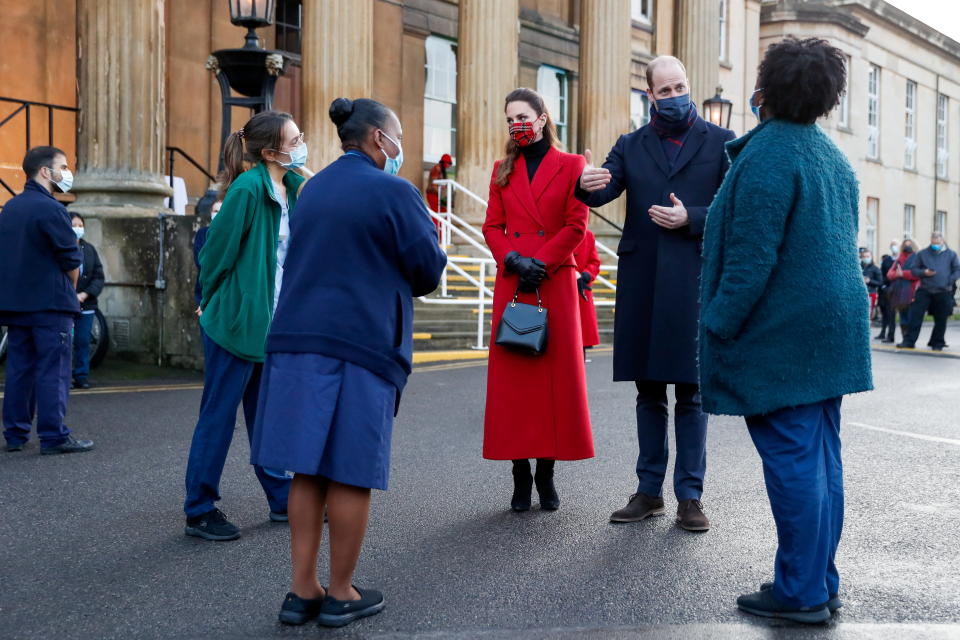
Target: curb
[[923, 353]]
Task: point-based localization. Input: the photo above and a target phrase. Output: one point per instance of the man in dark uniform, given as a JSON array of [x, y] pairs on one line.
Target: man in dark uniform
[[670, 169], [39, 268]]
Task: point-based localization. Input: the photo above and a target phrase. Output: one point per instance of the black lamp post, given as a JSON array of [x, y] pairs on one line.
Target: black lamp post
[[251, 72], [718, 110]]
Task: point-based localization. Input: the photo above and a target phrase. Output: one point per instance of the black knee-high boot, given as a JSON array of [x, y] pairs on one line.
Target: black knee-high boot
[[522, 486], [549, 500]]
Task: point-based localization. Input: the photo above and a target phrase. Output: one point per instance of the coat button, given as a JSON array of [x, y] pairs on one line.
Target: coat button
[[540, 233], [516, 234]]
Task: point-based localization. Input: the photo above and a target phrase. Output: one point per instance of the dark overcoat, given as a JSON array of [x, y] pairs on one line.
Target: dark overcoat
[[655, 325]]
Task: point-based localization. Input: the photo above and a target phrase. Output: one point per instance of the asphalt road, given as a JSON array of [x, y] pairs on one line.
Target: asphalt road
[[93, 544]]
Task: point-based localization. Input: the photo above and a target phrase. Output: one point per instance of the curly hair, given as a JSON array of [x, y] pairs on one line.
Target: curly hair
[[802, 80]]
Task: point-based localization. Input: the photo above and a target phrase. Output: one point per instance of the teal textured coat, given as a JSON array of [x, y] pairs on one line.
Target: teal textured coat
[[783, 303]]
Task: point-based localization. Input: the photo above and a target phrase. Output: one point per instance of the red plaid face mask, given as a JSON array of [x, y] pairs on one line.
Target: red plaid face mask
[[522, 133]]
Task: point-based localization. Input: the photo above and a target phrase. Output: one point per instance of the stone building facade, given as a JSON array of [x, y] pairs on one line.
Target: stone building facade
[[131, 78]]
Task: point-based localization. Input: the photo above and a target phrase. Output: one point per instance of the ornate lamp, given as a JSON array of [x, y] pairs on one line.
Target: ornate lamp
[[252, 14], [251, 72], [718, 110]]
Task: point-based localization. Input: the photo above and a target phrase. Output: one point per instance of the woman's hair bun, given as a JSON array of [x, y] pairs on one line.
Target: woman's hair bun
[[340, 110]]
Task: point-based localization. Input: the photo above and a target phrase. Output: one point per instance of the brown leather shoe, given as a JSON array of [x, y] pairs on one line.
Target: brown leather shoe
[[640, 506], [690, 516]]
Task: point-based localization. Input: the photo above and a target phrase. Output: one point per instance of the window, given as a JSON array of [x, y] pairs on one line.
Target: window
[[870, 229], [873, 113], [440, 99], [641, 11], [910, 127], [843, 108], [943, 153], [723, 29], [940, 222], [289, 25], [553, 84], [909, 212], [639, 109]]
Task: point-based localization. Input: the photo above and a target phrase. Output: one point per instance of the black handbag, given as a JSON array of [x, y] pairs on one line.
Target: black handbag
[[523, 327]]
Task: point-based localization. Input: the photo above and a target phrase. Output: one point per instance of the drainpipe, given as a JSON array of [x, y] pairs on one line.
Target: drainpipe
[[936, 150], [161, 284]]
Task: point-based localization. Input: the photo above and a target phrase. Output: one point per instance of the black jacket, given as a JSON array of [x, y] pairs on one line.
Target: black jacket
[[872, 271], [37, 249], [91, 276]]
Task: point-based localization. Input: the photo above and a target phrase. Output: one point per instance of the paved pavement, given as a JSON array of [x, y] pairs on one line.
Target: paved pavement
[[93, 544]]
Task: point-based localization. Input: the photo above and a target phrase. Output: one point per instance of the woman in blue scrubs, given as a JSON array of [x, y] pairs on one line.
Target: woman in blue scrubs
[[362, 245], [778, 345]]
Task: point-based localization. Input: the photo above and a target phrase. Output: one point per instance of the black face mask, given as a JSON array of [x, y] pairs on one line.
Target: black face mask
[[908, 249]]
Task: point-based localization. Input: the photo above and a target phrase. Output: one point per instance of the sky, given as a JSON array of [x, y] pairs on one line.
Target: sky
[[942, 15]]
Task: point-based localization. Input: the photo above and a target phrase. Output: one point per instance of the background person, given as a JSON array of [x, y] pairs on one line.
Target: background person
[[938, 268], [872, 277], [887, 313], [536, 405], [39, 268], [903, 287], [789, 201], [671, 169], [238, 278], [588, 266], [89, 286], [338, 356]]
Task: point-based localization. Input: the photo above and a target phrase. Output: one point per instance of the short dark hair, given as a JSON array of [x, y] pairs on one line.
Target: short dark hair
[[74, 214], [355, 118], [802, 80], [40, 157]]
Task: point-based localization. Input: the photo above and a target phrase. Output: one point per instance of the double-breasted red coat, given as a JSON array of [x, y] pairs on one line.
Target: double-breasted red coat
[[588, 260], [537, 405]]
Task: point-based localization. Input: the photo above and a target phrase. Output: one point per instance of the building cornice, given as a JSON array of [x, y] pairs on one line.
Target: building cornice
[[811, 11]]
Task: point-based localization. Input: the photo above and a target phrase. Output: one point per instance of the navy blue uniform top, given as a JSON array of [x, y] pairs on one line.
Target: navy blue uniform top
[[37, 249], [362, 244]]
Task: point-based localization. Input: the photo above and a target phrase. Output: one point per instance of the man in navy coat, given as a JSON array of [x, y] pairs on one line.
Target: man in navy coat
[[39, 268], [671, 168]]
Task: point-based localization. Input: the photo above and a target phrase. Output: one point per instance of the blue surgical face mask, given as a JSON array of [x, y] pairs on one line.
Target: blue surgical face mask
[[675, 109], [298, 157], [392, 165], [79, 232], [754, 108], [935, 247], [65, 182]]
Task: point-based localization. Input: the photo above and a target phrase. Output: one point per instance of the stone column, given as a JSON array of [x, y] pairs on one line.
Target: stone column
[[337, 63], [487, 66], [122, 123], [605, 55], [697, 41]]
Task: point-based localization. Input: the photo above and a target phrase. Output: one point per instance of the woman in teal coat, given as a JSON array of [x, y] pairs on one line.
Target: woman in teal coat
[[776, 345]]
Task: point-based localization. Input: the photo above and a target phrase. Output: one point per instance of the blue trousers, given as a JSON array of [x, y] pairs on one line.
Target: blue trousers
[[82, 327], [228, 381], [690, 424], [38, 381], [800, 449]]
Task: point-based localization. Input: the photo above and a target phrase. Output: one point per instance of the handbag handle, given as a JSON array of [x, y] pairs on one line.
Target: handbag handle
[[516, 294]]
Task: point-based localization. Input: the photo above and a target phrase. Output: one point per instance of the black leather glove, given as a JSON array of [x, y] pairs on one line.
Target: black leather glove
[[583, 284], [531, 271]]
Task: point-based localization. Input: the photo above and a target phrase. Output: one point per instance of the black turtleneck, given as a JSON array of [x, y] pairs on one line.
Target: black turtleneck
[[533, 153]]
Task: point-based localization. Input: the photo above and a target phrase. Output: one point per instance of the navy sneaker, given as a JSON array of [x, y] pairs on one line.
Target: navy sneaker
[[297, 610], [279, 516], [763, 603], [70, 445], [833, 603], [212, 525], [337, 613], [15, 446]]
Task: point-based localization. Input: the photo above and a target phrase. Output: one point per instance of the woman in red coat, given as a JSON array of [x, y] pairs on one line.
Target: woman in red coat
[[536, 405], [588, 266]]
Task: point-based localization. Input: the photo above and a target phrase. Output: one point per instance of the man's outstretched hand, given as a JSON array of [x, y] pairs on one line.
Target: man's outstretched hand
[[592, 178], [670, 217]]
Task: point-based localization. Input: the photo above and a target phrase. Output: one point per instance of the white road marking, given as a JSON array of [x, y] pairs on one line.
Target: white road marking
[[909, 434]]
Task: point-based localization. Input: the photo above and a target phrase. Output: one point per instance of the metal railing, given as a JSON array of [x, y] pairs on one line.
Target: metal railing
[[25, 107], [453, 226]]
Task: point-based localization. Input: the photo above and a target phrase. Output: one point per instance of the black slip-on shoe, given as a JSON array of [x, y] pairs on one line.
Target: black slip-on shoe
[[763, 603], [905, 345], [70, 445], [833, 603], [279, 516], [212, 525], [337, 613], [16, 446], [297, 610], [81, 384]]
